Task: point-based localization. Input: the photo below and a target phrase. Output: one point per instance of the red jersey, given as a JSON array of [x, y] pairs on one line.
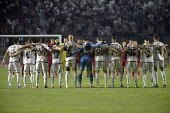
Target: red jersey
[[50, 45], [123, 55]]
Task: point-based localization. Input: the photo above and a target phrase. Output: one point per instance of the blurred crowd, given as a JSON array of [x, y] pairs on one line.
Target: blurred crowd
[[86, 17]]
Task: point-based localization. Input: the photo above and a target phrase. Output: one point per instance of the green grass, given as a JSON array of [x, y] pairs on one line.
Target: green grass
[[84, 100]]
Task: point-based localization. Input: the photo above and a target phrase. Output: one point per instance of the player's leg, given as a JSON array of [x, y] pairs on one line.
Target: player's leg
[[109, 70], [68, 65], [119, 69], [135, 68], [123, 66], [81, 68], [128, 69], [49, 65], [26, 71], [38, 70], [139, 64], [93, 67], [144, 70], [89, 68], [161, 64], [60, 72], [112, 69], [32, 71], [17, 70], [22, 69], [151, 66], [97, 68], [132, 73], [74, 67], [104, 67], [45, 69], [54, 70], [156, 65], [13, 74], [10, 70]]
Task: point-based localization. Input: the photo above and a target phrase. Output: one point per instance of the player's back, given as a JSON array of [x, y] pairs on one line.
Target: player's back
[[28, 57], [69, 55], [124, 55], [145, 57], [86, 48], [130, 50], [99, 50], [158, 54], [43, 50], [118, 48], [14, 49], [57, 56]]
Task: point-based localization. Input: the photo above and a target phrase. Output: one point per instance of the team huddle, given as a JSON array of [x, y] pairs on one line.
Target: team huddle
[[64, 56]]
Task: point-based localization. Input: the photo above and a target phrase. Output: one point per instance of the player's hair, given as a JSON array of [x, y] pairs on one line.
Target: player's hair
[[42, 40], [131, 39], [30, 40], [99, 39], [57, 41], [70, 37], [84, 39], [114, 38], [156, 37], [147, 39], [65, 38], [15, 40]]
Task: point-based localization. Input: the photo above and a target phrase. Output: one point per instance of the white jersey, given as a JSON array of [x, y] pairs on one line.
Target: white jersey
[[13, 49], [145, 57], [99, 50], [69, 55], [43, 49], [158, 54], [56, 56], [118, 48], [28, 57], [132, 49]]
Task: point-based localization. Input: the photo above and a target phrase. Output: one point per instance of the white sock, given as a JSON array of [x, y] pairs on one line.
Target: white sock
[[112, 77], [18, 78], [60, 78], [144, 78], [128, 77], [32, 79], [151, 78], [97, 78], [136, 77], [45, 78], [66, 77], [52, 78], [156, 78], [37, 78], [10, 78], [106, 78], [120, 77], [163, 77], [75, 77], [25, 79]]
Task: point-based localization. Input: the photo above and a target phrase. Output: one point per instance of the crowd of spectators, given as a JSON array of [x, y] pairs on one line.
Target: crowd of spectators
[[86, 17]]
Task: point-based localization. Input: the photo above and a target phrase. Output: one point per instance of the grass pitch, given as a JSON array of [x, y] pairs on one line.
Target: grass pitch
[[85, 99]]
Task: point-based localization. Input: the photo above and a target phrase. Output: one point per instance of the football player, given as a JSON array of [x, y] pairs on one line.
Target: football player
[[14, 62]]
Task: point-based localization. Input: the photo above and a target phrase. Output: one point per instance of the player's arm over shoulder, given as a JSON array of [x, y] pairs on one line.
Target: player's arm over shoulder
[[17, 53]]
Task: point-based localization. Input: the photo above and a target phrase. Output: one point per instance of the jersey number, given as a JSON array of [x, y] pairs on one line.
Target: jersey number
[[13, 52], [68, 53], [28, 54], [147, 54], [99, 50]]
